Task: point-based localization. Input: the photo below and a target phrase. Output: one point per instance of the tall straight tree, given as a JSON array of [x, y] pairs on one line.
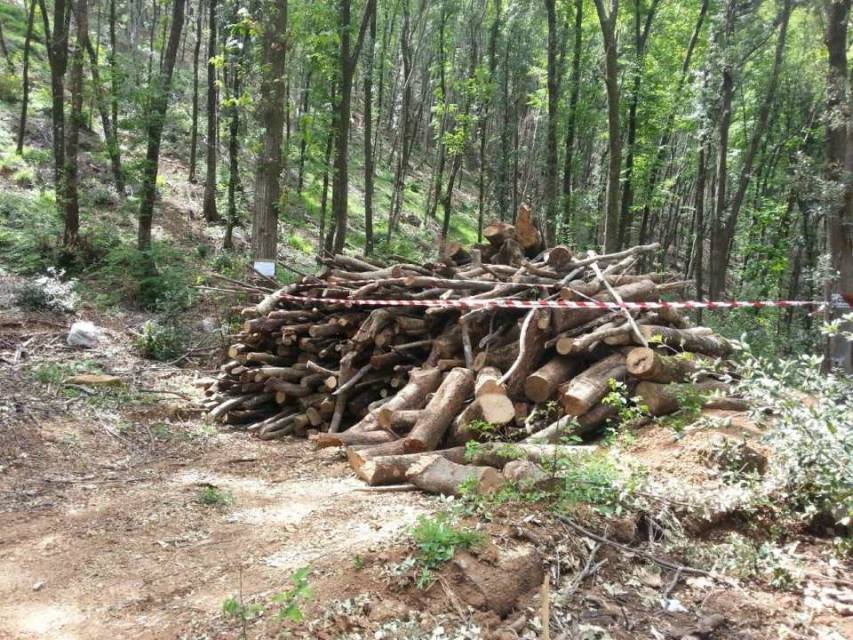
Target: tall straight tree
[[608, 19], [271, 121], [550, 193], [158, 103], [839, 152], [57, 56], [574, 98], [370, 45], [72, 142], [209, 205], [194, 127], [346, 71], [25, 79]]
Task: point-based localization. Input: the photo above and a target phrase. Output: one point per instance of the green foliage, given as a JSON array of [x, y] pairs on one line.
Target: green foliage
[[629, 409], [162, 341], [437, 540], [211, 496], [296, 241], [54, 373], [290, 599], [811, 415]]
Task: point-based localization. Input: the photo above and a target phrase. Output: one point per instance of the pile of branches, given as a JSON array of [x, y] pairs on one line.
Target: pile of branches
[[393, 383]]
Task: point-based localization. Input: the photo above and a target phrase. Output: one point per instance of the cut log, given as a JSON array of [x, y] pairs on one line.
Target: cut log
[[565, 319], [412, 396], [559, 257], [663, 399], [488, 381], [436, 474], [529, 237], [398, 421], [497, 232], [542, 384], [647, 364], [494, 409], [323, 440], [580, 394], [385, 470], [688, 340], [448, 400]]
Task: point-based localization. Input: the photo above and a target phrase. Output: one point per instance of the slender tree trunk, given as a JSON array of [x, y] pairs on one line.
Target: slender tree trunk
[[574, 96], [5, 50], [729, 223], [839, 152], [110, 139], [641, 37], [716, 283], [666, 136], [209, 206], [194, 127], [303, 125], [271, 117], [340, 182], [72, 142], [370, 44], [484, 117], [550, 191], [113, 62], [607, 19], [232, 217], [405, 117], [25, 81], [158, 103], [57, 52], [324, 196]]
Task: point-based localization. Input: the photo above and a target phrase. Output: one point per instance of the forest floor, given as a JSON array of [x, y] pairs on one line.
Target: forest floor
[[125, 513]]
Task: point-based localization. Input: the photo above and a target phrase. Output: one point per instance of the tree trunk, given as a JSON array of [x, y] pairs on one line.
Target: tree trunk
[[303, 125], [404, 129], [574, 97], [110, 138], [72, 142], [340, 179], [113, 62], [839, 152], [553, 83], [209, 205], [25, 83], [368, 136], [194, 126], [155, 119], [614, 141], [271, 120], [234, 147], [5, 50]]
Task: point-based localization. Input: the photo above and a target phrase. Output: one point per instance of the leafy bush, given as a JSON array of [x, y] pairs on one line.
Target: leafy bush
[[437, 540], [211, 496], [48, 293], [811, 415], [162, 342]]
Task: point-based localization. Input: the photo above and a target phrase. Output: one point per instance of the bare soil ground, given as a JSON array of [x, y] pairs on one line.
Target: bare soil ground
[[103, 535]]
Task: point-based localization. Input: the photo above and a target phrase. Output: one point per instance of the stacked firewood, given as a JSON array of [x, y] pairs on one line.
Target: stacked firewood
[[392, 383]]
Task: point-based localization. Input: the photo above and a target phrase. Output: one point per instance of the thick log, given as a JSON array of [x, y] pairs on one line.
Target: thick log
[[323, 440], [412, 396], [542, 384], [643, 290], [385, 470], [580, 394], [488, 381], [691, 340], [663, 399], [559, 257], [531, 348], [528, 235], [436, 474], [647, 364], [358, 455], [497, 232], [439, 413], [494, 409], [398, 421], [499, 357]]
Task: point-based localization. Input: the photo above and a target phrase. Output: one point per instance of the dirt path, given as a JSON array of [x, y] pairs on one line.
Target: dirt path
[[103, 534]]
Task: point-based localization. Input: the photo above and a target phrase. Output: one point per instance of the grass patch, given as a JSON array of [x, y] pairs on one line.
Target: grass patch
[[211, 496], [437, 539]]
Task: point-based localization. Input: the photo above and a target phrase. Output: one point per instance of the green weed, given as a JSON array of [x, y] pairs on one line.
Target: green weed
[[211, 496], [437, 540], [289, 600]]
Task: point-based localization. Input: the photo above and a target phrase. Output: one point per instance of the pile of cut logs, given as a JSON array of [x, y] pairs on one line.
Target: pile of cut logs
[[395, 383]]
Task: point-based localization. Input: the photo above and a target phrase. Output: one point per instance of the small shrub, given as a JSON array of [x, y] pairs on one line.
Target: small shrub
[[161, 342], [211, 496], [437, 540], [48, 293], [296, 241], [290, 599]]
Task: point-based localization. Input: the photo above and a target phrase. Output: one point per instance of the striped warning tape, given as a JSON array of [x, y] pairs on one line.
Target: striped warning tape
[[513, 303]]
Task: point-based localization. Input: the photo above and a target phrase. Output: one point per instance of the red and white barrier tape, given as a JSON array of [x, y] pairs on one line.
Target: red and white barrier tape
[[513, 303]]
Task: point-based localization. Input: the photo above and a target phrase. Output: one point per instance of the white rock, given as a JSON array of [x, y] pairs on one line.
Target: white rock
[[84, 334]]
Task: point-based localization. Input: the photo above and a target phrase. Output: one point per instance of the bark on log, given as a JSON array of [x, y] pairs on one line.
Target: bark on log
[[687, 340], [542, 384], [580, 394], [448, 400], [347, 438], [421, 382], [385, 470], [398, 421], [647, 364], [663, 399], [438, 475]]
